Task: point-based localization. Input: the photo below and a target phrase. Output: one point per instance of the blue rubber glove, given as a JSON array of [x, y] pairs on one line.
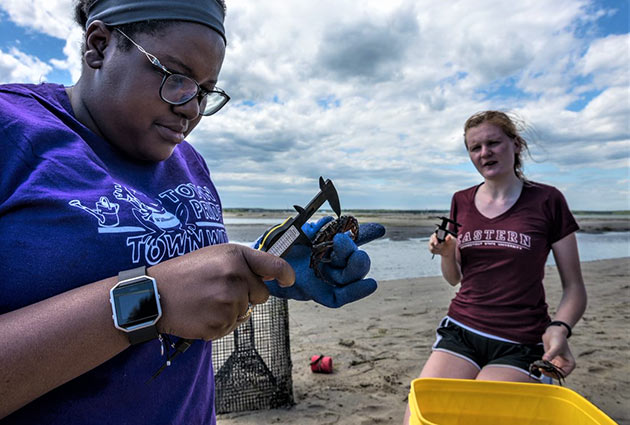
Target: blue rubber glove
[[346, 270]]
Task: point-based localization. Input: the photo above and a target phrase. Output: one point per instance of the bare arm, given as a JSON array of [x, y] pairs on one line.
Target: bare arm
[[58, 339], [55, 340], [572, 304], [450, 261]]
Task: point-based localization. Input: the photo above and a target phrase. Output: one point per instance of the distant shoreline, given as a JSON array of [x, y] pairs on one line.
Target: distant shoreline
[[421, 223], [256, 210]]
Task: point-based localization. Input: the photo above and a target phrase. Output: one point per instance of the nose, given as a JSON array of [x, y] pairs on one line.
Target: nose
[[189, 110], [485, 150]]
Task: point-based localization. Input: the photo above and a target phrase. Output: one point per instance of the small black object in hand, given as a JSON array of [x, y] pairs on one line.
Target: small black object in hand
[[442, 229], [544, 365]]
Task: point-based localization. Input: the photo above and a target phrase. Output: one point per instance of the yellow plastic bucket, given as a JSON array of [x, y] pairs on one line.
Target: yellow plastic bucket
[[435, 401]]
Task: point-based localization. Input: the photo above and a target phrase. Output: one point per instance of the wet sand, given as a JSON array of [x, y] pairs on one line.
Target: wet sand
[[379, 344]]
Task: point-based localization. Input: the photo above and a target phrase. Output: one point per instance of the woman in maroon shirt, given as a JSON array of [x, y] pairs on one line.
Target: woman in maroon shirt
[[498, 324]]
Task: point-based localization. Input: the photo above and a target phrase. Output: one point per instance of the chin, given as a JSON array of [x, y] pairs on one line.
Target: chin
[[162, 156], [493, 175], [155, 155]]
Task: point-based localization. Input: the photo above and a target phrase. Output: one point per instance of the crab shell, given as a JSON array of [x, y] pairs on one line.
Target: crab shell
[[323, 240]]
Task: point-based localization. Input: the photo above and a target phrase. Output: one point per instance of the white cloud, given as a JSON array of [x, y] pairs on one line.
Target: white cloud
[[72, 51], [50, 17], [405, 129], [373, 94], [53, 18], [18, 66], [608, 61]]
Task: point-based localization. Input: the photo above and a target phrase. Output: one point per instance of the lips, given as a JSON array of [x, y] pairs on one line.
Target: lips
[[173, 133]]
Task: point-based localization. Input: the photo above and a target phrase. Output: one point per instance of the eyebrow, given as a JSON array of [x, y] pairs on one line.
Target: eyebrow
[[488, 139], [185, 68]]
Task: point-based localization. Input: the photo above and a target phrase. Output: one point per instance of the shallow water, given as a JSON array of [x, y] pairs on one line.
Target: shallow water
[[399, 259], [403, 259]]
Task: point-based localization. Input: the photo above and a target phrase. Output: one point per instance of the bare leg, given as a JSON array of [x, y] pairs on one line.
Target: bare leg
[[504, 373], [445, 365]]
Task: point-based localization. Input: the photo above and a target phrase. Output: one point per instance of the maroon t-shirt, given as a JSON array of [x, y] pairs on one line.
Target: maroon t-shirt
[[503, 261]]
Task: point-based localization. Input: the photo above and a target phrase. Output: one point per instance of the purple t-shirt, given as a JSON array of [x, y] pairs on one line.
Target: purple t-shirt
[[503, 262], [74, 210]]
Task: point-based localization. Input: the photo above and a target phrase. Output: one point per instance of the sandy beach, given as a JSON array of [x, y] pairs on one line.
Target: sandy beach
[[379, 344]]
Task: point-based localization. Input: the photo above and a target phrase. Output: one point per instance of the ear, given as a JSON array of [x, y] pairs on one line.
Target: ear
[[517, 145], [97, 39]]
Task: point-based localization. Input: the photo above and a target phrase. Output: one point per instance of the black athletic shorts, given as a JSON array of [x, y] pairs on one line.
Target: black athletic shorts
[[485, 350]]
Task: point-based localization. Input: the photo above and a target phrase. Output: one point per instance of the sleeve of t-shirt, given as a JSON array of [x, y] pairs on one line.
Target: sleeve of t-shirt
[[16, 158], [194, 158], [563, 223], [203, 162]]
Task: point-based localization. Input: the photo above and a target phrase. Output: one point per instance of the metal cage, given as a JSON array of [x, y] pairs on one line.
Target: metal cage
[[253, 365]]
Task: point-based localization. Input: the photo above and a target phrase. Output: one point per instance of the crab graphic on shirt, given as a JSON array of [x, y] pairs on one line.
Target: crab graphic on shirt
[[156, 232], [152, 216]]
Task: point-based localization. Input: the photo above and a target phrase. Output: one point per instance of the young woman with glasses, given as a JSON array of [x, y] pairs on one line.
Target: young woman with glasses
[[113, 243]]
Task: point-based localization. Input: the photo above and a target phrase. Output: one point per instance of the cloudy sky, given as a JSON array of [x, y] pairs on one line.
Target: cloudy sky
[[374, 94]]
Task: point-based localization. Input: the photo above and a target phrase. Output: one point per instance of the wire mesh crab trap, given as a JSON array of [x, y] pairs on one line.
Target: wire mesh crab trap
[[253, 365]]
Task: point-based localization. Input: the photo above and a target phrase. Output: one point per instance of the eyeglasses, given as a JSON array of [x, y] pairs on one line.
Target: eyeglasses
[[177, 89]]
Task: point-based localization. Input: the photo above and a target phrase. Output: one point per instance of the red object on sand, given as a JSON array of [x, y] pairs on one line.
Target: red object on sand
[[321, 364]]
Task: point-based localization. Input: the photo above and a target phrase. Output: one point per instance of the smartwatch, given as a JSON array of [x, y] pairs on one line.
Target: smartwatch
[[136, 305]]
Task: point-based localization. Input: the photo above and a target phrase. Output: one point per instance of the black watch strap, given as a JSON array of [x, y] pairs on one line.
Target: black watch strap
[[143, 335], [131, 273]]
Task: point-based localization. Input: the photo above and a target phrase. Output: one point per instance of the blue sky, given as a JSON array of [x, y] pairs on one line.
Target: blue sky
[[373, 94]]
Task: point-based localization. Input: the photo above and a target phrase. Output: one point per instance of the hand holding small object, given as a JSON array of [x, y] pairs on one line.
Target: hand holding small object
[[204, 292], [343, 277], [442, 233], [557, 350], [445, 248]]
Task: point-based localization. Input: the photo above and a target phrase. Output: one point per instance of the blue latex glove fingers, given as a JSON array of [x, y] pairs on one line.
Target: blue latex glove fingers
[[346, 269], [310, 229], [343, 248], [347, 262], [357, 267], [368, 232], [350, 293], [306, 286], [330, 296], [296, 293]]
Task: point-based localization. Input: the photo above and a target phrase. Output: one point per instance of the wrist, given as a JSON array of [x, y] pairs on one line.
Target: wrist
[[447, 254], [559, 323], [136, 305]]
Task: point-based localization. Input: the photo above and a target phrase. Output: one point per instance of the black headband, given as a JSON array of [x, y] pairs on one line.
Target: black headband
[[118, 12]]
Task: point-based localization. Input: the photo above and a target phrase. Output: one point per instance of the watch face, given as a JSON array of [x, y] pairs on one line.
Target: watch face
[[135, 304]]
